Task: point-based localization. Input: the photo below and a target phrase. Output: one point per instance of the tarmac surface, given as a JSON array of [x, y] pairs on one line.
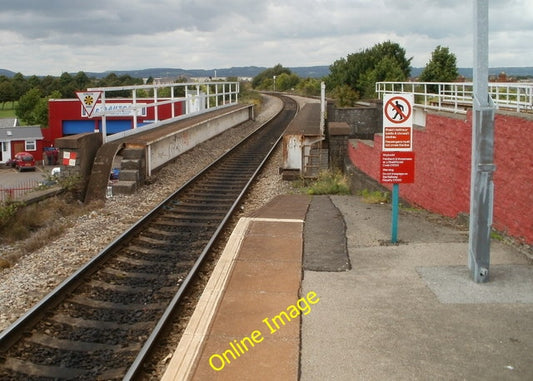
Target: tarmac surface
[[363, 310]]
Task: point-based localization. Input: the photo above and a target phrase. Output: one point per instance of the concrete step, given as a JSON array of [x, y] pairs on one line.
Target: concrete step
[[131, 163], [132, 153], [129, 175], [124, 187], [369, 143], [318, 160]]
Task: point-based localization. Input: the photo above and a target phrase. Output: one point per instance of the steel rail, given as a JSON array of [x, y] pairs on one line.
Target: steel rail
[[134, 369]]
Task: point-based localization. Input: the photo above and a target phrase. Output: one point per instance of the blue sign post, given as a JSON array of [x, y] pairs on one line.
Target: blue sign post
[[395, 207], [397, 158]]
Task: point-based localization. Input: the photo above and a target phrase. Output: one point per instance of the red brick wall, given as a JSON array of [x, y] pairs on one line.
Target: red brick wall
[[442, 169]]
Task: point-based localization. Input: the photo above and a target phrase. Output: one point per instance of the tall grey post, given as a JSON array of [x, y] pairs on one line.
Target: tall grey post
[[481, 185]]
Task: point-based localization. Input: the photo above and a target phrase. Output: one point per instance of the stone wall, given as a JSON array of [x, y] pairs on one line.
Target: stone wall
[[364, 120], [338, 133]]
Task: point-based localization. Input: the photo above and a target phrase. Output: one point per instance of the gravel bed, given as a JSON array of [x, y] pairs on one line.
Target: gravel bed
[[37, 273]]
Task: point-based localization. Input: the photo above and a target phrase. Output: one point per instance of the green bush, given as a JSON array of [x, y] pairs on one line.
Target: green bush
[[7, 211]]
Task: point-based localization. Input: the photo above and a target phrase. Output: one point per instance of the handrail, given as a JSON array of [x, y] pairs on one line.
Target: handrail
[[199, 97], [457, 96]]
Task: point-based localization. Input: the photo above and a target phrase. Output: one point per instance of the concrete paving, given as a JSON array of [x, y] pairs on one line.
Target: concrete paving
[[326, 249], [400, 312], [410, 311], [243, 327]]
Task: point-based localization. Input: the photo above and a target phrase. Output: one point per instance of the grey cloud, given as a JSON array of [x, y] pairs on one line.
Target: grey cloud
[[126, 34]]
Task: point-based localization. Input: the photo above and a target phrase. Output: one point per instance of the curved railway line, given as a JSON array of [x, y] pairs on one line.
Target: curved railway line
[[102, 322]]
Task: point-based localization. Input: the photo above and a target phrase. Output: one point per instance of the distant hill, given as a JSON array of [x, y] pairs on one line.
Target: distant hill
[[247, 71], [252, 71], [302, 71], [7, 73]]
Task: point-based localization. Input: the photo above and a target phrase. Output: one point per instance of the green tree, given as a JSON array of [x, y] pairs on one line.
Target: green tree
[[7, 93], [264, 80], [81, 81], [67, 86], [309, 87], [28, 105], [345, 96], [40, 113], [360, 71], [286, 81], [33, 81], [51, 84], [20, 85], [442, 67]]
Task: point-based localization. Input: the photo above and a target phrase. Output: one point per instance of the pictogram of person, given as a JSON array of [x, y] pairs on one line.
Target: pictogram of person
[[399, 110]]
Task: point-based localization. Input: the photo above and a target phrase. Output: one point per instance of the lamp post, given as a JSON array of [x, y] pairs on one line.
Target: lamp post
[[482, 186]]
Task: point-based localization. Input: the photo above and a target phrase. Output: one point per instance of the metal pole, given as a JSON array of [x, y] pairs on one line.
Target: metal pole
[[322, 107], [104, 120], [395, 212], [134, 95], [156, 108], [481, 185]]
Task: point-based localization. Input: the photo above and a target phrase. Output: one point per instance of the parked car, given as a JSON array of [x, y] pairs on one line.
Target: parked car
[[23, 161]]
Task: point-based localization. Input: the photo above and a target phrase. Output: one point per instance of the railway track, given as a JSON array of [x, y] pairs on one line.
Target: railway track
[[102, 322]]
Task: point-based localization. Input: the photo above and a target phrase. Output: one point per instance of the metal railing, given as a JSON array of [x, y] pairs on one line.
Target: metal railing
[[457, 96], [15, 192], [198, 97]]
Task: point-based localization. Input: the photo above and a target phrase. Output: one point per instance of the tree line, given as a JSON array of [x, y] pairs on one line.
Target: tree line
[[350, 79], [354, 77]]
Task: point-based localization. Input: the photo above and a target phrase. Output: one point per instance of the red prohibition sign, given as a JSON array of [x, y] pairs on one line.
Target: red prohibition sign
[[400, 115]]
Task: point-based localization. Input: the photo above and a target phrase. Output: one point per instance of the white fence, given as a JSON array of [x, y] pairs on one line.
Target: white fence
[[457, 96], [198, 97]]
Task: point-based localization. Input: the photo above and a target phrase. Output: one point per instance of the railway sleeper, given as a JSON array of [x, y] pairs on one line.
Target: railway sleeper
[[73, 345], [188, 217], [48, 371], [64, 319], [83, 300]]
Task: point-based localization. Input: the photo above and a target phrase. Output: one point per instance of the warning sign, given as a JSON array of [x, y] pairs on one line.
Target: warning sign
[[88, 100], [397, 138], [398, 122], [397, 167], [398, 109]]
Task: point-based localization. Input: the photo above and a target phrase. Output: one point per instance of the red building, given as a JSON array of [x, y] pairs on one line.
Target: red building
[[68, 117]]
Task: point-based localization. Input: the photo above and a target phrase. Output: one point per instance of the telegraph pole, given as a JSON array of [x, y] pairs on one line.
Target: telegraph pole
[[481, 185]]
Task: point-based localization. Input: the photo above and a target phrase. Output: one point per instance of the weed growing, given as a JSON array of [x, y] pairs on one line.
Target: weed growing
[[36, 224], [327, 182], [375, 197]]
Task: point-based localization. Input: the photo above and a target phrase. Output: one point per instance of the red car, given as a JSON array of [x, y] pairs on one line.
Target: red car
[[23, 161]]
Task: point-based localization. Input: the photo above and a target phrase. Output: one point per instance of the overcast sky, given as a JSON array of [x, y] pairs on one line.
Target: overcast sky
[[54, 36]]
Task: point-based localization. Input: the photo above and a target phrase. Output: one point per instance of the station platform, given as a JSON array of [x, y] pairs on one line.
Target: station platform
[[310, 288], [136, 156], [304, 153]]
